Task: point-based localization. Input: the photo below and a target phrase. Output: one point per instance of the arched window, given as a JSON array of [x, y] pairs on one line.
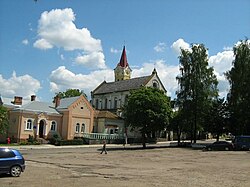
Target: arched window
[[53, 126], [155, 84], [83, 128], [29, 125], [77, 128]]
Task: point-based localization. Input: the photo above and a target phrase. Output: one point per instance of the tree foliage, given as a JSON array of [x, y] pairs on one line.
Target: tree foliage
[[217, 118], [239, 95], [197, 86], [147, 109], [4, 122], [70, 93]]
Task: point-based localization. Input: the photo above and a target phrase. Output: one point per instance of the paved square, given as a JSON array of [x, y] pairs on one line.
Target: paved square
[[138, 167]]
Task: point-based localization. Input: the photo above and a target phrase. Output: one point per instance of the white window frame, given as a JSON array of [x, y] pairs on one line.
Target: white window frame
[[29, 124], [77, 128], [53, 126]]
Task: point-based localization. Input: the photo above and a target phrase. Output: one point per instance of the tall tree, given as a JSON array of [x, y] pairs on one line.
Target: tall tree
[[4, 123], [239, 95], [69, 93], [147, 109], [197, 86]]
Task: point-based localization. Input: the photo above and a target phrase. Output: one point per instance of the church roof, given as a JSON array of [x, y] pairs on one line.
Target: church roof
[[105, 114], [123, 85], [123, 61]]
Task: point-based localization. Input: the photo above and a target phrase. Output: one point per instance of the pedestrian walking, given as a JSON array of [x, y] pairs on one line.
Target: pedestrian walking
[[104, 147]]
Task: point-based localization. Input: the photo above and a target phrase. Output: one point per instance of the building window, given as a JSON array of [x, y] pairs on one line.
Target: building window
[[100, 104], [53, 126], [96, 103], [155, 84], [77, 128], [29, 125], [106, 103], [83, 128], [115, 103]]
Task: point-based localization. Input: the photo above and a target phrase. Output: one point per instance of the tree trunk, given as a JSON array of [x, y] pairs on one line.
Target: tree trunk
[[179, 136], [143, 141]]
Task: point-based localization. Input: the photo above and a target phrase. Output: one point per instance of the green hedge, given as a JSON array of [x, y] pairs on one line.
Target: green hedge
[[70, 142]]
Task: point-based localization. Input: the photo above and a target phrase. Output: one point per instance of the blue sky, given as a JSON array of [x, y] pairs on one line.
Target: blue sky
[[50, 46]]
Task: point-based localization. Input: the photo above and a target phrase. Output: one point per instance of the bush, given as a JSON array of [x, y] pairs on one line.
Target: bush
[[30, 139], [56, 138], [71, 142]]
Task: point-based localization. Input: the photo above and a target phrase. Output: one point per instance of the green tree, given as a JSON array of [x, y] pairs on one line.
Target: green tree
[[4, 122], [197, 86], [239, 95], [147, 109], [216, 119], [70, 93]]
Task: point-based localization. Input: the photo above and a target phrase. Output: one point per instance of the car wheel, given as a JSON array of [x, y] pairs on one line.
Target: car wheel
[[209, 149], [226, 149], [15, 171]]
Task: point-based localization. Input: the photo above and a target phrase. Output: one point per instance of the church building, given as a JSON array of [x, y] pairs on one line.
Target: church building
[[110, 97]]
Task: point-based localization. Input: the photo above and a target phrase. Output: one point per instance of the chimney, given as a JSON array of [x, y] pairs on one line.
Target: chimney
[[33, 98], [17, 100], [57, 101]]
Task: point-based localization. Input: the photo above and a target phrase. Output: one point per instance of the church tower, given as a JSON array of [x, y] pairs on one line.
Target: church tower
[[122, 70]]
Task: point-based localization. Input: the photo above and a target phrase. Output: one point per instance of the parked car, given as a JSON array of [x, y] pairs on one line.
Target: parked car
[[219, 146], [242, 142], [11, 162]]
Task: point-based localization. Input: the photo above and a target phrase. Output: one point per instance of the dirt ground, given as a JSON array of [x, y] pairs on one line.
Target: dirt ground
[[135, 167]]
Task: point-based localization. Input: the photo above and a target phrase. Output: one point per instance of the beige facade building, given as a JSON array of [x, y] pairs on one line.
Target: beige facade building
[[70, 117]]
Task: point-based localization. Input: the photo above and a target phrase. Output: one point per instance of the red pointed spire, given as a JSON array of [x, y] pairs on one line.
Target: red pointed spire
[[123, 60]]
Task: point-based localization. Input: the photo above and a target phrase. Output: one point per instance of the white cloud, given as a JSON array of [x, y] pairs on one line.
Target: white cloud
[[178, 45], [93, 60], [112, 50], [160, 47], [57, 29], [222, 62], [62, 79], [227, 48], [23, 86], [62, 57], [42, 44], [25, 42]]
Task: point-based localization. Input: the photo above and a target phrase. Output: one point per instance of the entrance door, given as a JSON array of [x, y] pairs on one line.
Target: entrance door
[[41, 129]]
